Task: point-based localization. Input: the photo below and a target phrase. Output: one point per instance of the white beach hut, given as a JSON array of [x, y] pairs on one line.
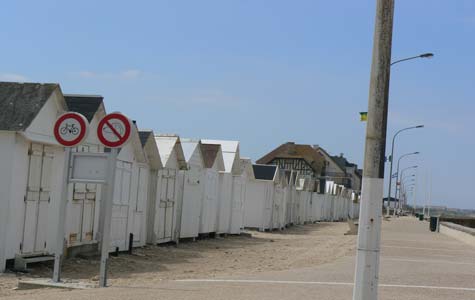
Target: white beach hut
[[240, 185], [291, 211], [281, 190], [143, 222], [214, 163], [130, 195], [193, 188], [259, 204], [229, 213], [31, 167], [168, 202]]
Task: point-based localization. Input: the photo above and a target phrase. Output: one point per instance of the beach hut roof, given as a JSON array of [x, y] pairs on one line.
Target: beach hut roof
[[150, 148], [167, 143], [264, 172], [87, 105], [230, 151], [21, 103]]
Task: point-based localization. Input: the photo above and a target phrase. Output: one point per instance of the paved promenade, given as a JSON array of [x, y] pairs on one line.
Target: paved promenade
[[415, 264]]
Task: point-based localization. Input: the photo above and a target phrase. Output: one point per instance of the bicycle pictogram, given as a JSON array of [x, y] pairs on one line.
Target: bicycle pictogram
[[69, 128]]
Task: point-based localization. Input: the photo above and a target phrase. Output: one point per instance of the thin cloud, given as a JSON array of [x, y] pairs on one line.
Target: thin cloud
[[469, 20], [130, 74], [12, 77], [125, 75], [213, 97]]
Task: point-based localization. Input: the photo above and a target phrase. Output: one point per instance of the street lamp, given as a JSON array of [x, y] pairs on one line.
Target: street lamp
[[408, 190], [398, 190], [406, 182], [398, 162], [424, 55]]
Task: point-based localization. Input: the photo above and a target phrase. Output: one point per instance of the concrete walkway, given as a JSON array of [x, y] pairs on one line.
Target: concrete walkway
[[415, 264]]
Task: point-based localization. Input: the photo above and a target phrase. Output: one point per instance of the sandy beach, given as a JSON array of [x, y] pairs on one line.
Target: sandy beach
[[250, 253]]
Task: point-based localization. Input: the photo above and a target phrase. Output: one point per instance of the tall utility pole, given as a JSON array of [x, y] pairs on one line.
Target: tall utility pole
[[369, 229]]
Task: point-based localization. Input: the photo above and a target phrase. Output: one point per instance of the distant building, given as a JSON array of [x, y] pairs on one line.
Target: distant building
[[295, 157], [340, 170], [315, 162]]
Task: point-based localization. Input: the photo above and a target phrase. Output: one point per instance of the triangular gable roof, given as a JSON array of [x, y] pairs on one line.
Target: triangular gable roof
[[265, 172], [21, 103], [166, 144], [150, 148], [212, 153], [230, 151], [87, 105], [144, 136], [137, 145], [190, 146], [246, 167], [296, 151]]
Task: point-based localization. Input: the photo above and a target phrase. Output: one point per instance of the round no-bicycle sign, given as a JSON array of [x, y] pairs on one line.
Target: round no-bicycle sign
[[70, 129], [114, 130]]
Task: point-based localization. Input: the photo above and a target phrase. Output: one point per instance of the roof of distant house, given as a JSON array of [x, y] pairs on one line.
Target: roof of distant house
[[292, 150], [343, 162], [21, 103]]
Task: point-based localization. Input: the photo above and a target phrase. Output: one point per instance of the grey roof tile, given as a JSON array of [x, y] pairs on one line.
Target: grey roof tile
[[87, 105], [20, 103]]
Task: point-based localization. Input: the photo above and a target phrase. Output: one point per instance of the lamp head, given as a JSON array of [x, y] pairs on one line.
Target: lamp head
[[427, 55], [420, 126]]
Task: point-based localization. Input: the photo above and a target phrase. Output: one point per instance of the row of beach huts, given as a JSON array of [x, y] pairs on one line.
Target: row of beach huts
[[167, 188]]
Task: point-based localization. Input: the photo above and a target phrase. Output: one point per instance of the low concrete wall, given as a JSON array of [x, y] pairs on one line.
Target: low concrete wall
[[458, 232], [464, 221]]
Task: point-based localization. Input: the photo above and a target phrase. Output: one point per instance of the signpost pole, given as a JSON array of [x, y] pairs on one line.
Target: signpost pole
[[63, 201], [107, 198], [69, 130]]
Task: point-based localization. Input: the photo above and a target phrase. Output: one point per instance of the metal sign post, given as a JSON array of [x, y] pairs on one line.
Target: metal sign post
[[70, 130], [113, 131], [62, 217], [108, 192]]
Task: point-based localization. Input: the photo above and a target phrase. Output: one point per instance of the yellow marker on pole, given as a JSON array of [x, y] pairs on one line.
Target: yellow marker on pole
[[363, 116]]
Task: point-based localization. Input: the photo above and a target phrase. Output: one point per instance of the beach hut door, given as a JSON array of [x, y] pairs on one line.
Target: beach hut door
[[120, 208], [37, 199], [237, 205], [167, 203], [142, 189]]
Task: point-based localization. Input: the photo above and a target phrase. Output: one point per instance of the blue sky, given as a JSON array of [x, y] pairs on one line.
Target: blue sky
[[262, 72]]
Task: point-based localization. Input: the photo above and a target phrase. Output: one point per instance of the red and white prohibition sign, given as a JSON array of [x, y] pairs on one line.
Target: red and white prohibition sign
[[70, 129], [114, 130]]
